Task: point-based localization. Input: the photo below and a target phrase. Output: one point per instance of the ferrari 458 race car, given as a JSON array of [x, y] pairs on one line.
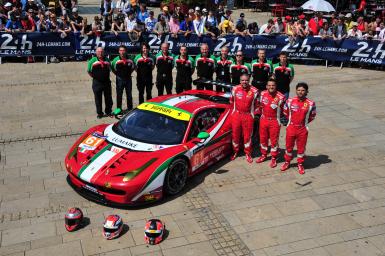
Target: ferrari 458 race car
[[153, 149]]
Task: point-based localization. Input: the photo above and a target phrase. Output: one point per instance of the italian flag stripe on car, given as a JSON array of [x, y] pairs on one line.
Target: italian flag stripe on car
[[107, 147]]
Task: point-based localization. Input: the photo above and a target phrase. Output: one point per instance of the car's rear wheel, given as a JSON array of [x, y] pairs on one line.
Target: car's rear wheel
[[176, 177]]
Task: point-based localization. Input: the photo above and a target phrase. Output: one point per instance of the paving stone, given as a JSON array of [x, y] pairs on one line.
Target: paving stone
[[121, 252], [258, 213], [98, 244], [334, 199], [47, 241], [369, 217], [62, 249], [15, 248], [203, 248], [357, 247], [297, 206], [28, 233], [313, 252], [146, 250], [368, 193]]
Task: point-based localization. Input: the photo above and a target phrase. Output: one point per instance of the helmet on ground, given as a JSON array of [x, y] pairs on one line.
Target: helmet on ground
[[153, 231], [73, 219], [112, 227]]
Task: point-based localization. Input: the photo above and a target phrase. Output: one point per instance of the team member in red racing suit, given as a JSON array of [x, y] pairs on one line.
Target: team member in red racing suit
[[300, 111], [270, 106], [244, 101]]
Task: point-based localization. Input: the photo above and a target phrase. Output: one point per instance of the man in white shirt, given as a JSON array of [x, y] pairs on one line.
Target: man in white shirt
[[198, 24], [130, 22]]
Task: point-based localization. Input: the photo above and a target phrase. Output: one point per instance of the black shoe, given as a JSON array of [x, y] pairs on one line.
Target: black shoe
[[99, 116], [109, 114]]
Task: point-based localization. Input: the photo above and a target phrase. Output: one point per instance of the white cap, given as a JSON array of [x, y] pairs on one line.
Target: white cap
[[75, 9], [197, 8], [204, 10], [8, 5], [349, 15]]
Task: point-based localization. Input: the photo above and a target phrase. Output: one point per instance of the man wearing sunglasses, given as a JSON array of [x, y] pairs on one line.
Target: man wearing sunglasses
[[239, 68]]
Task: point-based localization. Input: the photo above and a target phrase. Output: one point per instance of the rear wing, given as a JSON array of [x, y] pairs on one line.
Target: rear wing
[[203, 81]]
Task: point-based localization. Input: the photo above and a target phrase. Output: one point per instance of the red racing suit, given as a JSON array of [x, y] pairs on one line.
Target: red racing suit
[[299, 114], [271, 106], [244, 103]]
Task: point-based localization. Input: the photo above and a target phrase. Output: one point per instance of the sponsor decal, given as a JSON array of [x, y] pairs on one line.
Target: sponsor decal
[[265, 100], [149, 197], [92, 189], [115, 149], [166, 110], [90, 143], [273, 106]]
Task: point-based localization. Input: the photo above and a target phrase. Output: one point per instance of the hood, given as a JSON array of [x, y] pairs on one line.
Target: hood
[[97, 160]]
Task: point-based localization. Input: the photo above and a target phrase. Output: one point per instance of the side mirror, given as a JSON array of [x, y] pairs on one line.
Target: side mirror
[[203, 135]]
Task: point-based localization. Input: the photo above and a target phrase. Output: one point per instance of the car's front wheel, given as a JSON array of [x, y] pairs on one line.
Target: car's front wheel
[[176, 177]]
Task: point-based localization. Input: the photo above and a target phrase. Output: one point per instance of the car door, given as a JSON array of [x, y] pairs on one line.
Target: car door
[[218, 145]]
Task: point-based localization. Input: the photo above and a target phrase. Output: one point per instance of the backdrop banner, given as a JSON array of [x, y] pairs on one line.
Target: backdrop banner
[[53, 44]]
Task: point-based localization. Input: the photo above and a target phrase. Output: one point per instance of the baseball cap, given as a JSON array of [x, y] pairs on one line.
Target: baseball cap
[[242, 15], [165, 8], [348, 15], [204, 10], [197, 8], [288, 17], [226, 24], [75, 9], [8, 5], [301, 17]]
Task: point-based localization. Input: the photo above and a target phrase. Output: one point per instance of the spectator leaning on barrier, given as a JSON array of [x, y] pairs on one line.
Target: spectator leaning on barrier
[[315, 23], [339, 30], [362, 25], [186, 26], [161, 27], [117, 24], [184, 65], [279, 26], [41, 24], [28, 24], [325, 31], [226, 27], [348, 21], [283, 73], [223, 63], [238, 68], [164, 64], [64, 26], [76, 21], [302, 30], [253, 28], [241, 26], [144, 65], [205, 65], [227, 16], [150, 22], [174, 26], [123, 67], [13, 24], [86, 28], [97, 26], [198, 24], [261, 70], [211, 19], [130, 22], [354, 33], [99, 70], [269, 28]]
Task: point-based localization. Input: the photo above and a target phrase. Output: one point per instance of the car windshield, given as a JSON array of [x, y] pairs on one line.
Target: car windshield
[[152, 128]]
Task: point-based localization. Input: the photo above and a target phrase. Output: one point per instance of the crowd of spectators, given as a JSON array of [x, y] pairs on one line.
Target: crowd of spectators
[[130, 16]]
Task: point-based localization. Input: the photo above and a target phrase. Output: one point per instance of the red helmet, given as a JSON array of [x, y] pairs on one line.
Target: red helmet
[[112, 226], [153, 231], [73, 219]]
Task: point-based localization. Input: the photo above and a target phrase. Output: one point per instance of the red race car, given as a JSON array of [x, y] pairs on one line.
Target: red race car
[[153, 149]]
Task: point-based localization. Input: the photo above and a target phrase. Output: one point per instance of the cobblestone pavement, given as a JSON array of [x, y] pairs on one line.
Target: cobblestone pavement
[[234, 208]]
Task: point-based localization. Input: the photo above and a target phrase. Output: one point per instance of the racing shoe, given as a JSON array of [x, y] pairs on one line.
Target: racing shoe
[[273, 162], [301, 169], [248, 158], [233, 156], [261, 159], [285, 166]]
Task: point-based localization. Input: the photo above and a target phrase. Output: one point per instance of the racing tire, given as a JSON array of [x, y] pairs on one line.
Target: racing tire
[[176, 177]]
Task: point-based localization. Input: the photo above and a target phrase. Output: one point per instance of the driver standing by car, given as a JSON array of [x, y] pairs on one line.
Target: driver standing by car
[[244, 102]]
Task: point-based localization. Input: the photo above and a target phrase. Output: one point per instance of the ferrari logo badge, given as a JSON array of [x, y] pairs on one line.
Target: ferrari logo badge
[[107, 172], [305, 104], [107, 185]]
